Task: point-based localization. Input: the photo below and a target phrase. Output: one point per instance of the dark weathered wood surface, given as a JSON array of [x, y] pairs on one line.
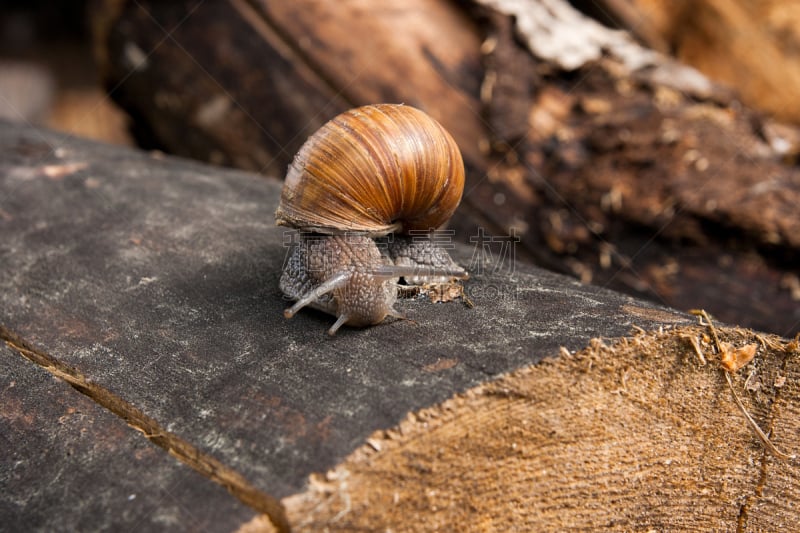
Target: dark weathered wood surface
[[151, 283], [70, 465]]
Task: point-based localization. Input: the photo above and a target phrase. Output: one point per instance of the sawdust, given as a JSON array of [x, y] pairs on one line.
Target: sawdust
[[636, 433]]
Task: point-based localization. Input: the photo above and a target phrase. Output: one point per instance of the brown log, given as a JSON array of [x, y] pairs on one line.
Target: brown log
[[274, 73], [608, 160], [657, 181]]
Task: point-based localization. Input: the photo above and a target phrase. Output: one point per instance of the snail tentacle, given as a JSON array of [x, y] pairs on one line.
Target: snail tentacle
[[338, 280], [340, 321]]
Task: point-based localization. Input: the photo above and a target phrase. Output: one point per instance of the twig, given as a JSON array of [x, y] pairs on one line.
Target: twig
[[693, 341], [753, 425], [702, 313], [761, 435]]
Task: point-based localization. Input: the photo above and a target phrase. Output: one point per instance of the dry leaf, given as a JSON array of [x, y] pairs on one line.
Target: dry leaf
[[733, 359]]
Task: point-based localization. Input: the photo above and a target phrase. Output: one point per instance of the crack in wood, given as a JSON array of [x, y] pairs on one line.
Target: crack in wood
[[206, 465]]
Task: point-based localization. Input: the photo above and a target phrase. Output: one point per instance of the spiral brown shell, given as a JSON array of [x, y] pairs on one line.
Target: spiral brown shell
[[373, 170]]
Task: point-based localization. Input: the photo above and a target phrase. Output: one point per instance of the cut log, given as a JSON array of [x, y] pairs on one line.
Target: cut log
[[150, 284], [635, 435]]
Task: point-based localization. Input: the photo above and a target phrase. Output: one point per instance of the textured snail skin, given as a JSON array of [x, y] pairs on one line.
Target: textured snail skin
[[420, 253], [369, 172], [354, 278], [374, 170], [349, 259]]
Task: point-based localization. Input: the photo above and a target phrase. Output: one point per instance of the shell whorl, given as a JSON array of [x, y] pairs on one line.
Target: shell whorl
[[373, 170]]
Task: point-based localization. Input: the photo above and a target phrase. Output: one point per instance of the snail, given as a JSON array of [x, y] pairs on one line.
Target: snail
[[364, 192]]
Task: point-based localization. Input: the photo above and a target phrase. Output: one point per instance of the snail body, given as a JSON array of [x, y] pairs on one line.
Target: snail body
[[374, 171], [336, 274]]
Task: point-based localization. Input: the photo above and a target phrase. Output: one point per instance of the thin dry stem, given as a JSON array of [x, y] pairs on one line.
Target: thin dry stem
[[761, 435]]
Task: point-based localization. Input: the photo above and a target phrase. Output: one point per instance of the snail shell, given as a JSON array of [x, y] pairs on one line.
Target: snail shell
[[374, 170]]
